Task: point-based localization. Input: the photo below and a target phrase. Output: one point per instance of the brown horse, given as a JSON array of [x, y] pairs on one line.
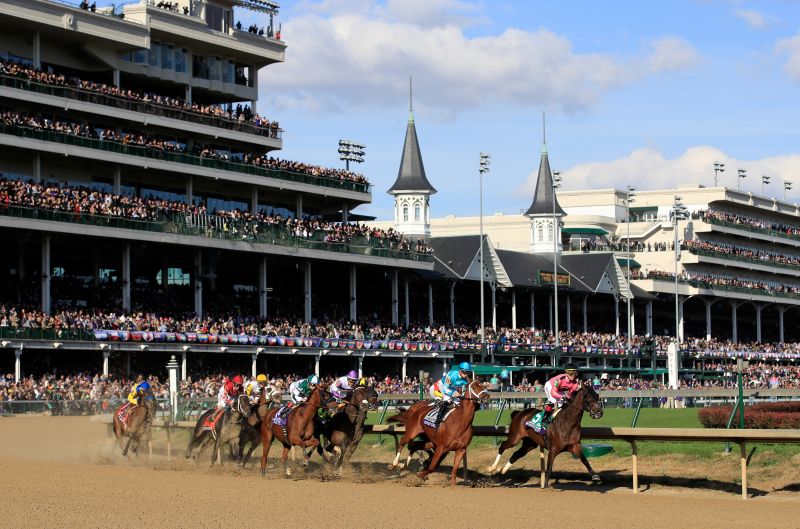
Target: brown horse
[[345, 429], [225, 432], [137, 426], [563, 434], [299, 429], [251, 428], [453, 434]]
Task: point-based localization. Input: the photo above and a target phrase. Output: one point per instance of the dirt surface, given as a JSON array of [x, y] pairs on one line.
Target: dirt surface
[[59, 472]]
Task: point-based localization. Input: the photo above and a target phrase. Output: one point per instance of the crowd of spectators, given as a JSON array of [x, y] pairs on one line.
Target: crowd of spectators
[[171, 6], [711, 214], [221, 115], [88, 7], [743, 252], [709, 280]]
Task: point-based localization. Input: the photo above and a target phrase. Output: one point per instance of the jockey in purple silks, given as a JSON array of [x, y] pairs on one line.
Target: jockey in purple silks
[[342, 387]]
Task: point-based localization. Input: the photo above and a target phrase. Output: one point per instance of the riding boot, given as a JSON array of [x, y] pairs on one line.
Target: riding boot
[[443, 407]]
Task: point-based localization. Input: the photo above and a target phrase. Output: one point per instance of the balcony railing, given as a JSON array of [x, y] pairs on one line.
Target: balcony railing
[[699, 283], [180, 157], [749, 260], [188, 225], [88, 96], [752, 229]]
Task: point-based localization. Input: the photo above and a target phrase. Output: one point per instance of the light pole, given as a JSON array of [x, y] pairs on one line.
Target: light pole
[[742, 176], [483, 168], [556, 185], [787, 186], [350, 151], [628, 200], [678, 211], [764, 180], [718, 168]]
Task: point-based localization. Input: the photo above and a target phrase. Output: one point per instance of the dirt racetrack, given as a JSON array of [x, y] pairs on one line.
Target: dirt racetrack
[[58, 472]]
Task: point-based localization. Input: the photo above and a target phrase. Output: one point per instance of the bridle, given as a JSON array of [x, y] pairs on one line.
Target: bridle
[[587, 405], [471, 395]]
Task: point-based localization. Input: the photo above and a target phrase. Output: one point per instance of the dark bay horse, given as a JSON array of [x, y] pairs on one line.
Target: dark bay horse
[[564, 433], [138, 424], [226, 430], [345, 429], [299, 430], [251, 428], [453, 434]]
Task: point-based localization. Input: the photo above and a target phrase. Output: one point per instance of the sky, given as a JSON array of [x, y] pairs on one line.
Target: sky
[[648, 94]]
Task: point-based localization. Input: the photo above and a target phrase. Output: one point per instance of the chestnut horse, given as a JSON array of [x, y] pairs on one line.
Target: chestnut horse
[[563, 434], [346, 428], [299, 429], [453, 434], [138, 424]]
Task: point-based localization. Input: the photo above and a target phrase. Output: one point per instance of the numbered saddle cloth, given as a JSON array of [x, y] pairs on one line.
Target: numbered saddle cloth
[[279, 419], [536, 423], [430, 418]]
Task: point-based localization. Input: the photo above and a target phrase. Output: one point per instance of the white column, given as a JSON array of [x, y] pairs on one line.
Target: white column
[[405, 291], [569, 314], [183, 366], [404, 372], [46, 271], [345, 212], [759, 308], [616, 316], [106, 354], [126, 277], [781, 310], [453, 303], [172, 369], [298, 208], [254, 365], [189, 188], [37, 51], [682, 334], [430, 303], [353, 293], [307, 291], [494, 305], [360, 366], [395, 298], [708, 318], [115, 77], [533, 312], [187, 94], [18, 364], [254, 200], [37, 167], [649, 317], [633, 319], [585, 314], [316, 365], [263, 293], [198, 283], [513, 308], [550, 311], [444, 365], [117, 179], [734, 330]]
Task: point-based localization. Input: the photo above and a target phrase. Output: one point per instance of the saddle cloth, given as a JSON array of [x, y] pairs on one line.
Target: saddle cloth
[[123, 413], [279, 419], [536, 422], [212, 420], [430, 418]]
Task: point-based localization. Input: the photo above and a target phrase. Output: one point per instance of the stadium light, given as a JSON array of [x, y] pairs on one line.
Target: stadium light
[[764, 180], [483, 167], [718, 168], [787, 186], [556, 184], [628, 201], [350, 151], [742, 176]]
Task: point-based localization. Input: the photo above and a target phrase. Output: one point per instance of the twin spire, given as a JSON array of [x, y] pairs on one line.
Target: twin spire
[[543, 192]]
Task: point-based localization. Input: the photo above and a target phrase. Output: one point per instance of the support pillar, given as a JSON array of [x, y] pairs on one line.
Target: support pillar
[[262, 287], [316, 365], [407, 317], [117, 180], [649, 317], [533, 312], [569, 314], [254, 200], [444, 365], [183, 366], [360, 366], [494, 306], [198, 283], [298, 208], [353, 293], [37, 51], [759, 308], [681, 319], [430, 303], [189, 189], [106, 355], [18, 365], [708, 318], [633, 319], [46, 271], [585, 314], [550, 312], [187, 94], [395, 298], [453, 303], [734, 333], [254, 365], [616, 316], [345, 212], [307, 292], [37, 167], [115, 77], [126, 277], [513, 308], [781, 310], [404, 372]]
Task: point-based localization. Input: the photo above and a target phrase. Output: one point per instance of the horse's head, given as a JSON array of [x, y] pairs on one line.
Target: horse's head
[[591, 400], [365, 397], [241, 405], [150, 403], [476, 391]]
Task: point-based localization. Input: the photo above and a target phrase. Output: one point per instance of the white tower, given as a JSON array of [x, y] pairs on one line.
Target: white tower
[[411, 190], [544, 224]]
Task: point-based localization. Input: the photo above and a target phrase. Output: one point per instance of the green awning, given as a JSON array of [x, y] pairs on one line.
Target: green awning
[[584, 231], [493, 370], [623, 262], [645, 208]]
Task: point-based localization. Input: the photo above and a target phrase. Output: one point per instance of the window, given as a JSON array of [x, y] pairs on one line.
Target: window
[[550, 233], [214, 68], [166, 57], [140, 56], [154, 54], [540, 233], [180, 60], [214, 16], [175, 276], [405, 213], [228, 71], [417, 213]]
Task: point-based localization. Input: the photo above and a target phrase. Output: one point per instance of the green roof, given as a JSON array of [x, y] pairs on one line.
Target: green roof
[[492, 370], [584, 230], [623, 262]]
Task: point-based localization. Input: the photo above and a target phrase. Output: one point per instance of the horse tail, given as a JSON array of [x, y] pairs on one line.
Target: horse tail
[[400, 417]]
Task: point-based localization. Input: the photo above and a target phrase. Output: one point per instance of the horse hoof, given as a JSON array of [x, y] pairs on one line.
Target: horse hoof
[[263, 472], [596, 480]]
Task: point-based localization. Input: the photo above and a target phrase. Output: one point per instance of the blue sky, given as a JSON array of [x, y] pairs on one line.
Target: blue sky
[[642, 93]]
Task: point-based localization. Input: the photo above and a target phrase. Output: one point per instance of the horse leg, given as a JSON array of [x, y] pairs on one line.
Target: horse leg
[[285, 459], [266, 442], [522, 451], [551, 455], [577, 451], [512, 439], [399, 448], [434, 462], [457, 457], [127, 446]]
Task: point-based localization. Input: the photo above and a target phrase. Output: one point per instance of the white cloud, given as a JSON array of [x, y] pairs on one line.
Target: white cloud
[[671, 54], [647, 168], [791, 48], [364, 58], [755, 19]]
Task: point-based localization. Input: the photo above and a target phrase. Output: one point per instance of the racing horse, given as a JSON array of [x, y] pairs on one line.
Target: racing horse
[[564, 433], [224, 431], [453, 434], [251, 428], [298, 431], [137, 425], [345, 429]]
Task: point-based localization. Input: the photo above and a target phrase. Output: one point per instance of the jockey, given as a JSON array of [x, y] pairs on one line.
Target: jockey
[[559, 390], [229, 391], [138, 391], [300, 390], [449, 387], [344, 386], [253, 388]]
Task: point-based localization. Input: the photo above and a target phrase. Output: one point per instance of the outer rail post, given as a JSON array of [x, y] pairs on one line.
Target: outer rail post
[[635, 466], [541, 467], [743, 457]]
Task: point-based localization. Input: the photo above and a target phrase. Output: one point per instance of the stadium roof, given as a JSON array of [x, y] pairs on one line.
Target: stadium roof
[[411, 177], [543, 192]]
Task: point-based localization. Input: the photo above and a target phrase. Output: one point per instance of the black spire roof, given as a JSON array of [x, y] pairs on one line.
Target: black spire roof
[[411, 176], [543, 193]]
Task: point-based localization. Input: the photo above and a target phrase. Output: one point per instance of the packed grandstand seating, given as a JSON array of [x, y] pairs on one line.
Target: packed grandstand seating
[[724, 281], [743, 252], [711, 214], [86, 201], [152, 103]]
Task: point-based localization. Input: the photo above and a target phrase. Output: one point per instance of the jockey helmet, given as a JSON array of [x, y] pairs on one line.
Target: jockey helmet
[[313, 380], [570, 367], [261, 378], [238, 380], [144, 386], [464, 366], [352, 375]]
